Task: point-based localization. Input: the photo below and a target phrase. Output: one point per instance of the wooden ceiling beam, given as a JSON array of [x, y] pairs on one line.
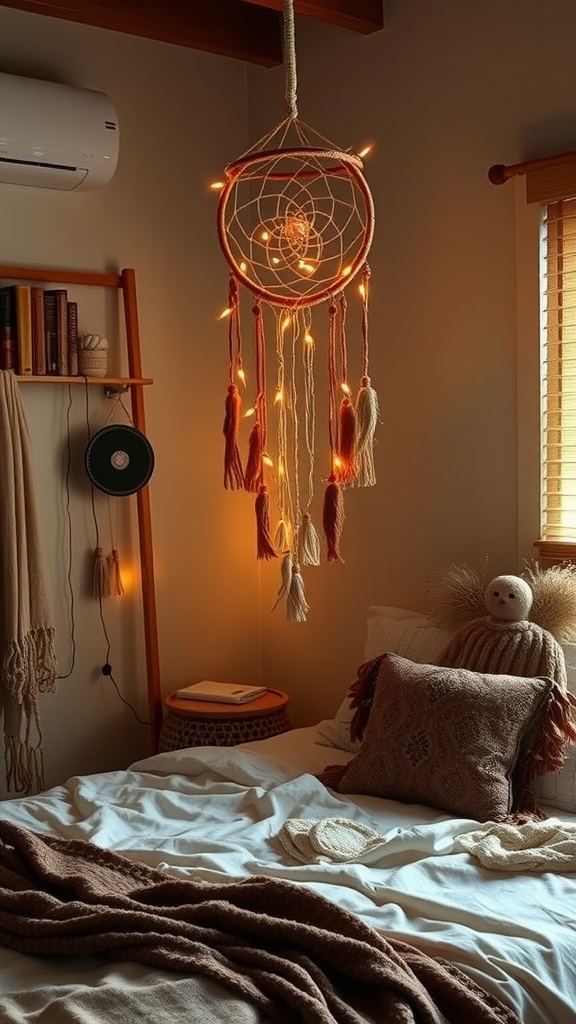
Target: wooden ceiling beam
[[224, 27], [364, 16]]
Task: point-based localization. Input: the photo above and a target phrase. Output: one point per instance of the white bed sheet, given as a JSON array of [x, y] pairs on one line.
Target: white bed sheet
[[215, 813]]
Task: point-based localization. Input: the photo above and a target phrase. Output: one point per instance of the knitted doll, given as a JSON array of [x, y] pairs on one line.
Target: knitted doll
[[506, 640]]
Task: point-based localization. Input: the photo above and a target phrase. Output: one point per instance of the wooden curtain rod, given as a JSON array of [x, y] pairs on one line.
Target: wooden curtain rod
[[499, 173]]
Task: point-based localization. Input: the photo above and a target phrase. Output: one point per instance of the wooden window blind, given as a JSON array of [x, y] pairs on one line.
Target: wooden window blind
[[558, 371], [551, 182]]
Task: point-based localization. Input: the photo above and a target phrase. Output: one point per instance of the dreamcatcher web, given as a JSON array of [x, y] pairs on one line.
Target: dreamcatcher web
[[295, 223]]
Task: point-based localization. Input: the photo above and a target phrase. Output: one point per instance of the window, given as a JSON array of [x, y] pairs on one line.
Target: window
[[558, 371], [550, 188]]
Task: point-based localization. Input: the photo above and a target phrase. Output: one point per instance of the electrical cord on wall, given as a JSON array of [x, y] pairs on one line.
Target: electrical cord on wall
[[106, 667]]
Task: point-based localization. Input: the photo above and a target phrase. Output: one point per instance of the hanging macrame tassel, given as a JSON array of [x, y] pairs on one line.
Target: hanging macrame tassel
[[282, 537], [286, 578], [346, 461], [366, 422], [233, 474], [309, 546], [333, 518], [253, 472], [297, 606], [264, 545], [115, 585], [101, 581]]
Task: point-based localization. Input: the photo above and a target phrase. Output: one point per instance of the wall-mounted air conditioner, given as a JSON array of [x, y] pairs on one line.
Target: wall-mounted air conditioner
[[56, 136]]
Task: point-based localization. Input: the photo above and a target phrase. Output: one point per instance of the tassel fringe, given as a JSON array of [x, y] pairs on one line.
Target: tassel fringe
[[115, 585], [333, 519], [545, 755], [101, 582], [264, 546], [253, 473], [297, 606], [367, 412], [233, 474], [309, 543], [347, 467]]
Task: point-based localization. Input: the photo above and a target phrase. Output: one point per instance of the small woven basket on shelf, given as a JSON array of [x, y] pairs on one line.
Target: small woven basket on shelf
[[92, 363]]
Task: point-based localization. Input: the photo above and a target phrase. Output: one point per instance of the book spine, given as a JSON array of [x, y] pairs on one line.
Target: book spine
[[24, 322], [8, 335], [73, 339], [38, 332], [50, 330], [62, 331]]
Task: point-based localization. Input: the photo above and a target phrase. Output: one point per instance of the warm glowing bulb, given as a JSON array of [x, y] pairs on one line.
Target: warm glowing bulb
[[216, 186], [279, 395], [265, 236], [362, 290], [364, 152], [286, 322], [308, 267], [345, 388], [346, 271], [249, 412], [267, 460], [337, 462], [275, 259], [308, 339], [241, 375], [281, 469], [243, 267], [224, 314]]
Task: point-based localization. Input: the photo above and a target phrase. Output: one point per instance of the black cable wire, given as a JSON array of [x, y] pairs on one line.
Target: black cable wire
[[107, 667]]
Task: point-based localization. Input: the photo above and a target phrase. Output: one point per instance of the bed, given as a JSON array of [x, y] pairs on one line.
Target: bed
[[259, 811]]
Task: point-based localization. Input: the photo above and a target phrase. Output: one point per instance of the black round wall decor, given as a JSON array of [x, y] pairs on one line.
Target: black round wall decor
[[119, 459]]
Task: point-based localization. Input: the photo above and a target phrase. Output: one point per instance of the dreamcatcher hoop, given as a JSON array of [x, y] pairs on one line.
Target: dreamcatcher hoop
[[296, 223]]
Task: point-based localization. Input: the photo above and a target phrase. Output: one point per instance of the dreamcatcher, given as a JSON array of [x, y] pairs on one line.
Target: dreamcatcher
[[295, 223]]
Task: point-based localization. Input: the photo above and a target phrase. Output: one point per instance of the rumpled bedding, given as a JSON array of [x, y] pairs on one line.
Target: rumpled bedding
[[215, 814]]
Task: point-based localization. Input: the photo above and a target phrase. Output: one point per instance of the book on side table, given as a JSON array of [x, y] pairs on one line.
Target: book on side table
[[222, 693]]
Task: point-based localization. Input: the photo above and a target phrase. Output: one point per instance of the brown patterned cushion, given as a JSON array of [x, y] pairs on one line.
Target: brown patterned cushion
[[446, 737]]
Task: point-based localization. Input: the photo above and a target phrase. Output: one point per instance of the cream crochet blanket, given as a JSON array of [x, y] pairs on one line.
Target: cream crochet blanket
[[27, 635]]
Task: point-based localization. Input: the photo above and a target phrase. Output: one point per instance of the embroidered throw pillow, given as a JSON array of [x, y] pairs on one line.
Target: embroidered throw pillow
[[449, 738]]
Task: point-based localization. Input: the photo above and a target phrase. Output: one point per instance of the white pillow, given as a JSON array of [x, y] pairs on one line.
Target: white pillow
[[399, 631], [558, 789]]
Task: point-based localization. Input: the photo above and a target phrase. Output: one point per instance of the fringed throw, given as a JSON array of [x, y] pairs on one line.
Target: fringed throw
[[27, 634]]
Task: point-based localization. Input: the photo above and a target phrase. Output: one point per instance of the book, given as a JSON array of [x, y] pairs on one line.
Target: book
[[73, 339], [50, 333], [8, 329], [38, 332], [222, 693], [24, 329], [61, 300]]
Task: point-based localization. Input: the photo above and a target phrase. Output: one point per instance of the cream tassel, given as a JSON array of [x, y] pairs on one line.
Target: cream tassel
[[366, 421], [282, 538], [286, 578], [309, 542], [297, 606], [115, 585], [101, 579]]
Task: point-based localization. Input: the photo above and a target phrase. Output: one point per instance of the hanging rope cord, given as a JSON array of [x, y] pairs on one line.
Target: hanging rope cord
[[289, 50]]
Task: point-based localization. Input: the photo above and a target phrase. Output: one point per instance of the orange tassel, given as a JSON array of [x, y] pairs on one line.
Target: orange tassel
[[264, 546], [347, 466], [333, 518], [233, 474], [253, 473], [546, 754]]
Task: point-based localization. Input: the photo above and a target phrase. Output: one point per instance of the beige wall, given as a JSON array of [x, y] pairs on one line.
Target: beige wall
[[444, 91], [182, 116]]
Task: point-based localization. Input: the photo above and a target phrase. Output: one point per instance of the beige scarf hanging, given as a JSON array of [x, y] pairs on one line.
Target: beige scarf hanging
[[27, 634]]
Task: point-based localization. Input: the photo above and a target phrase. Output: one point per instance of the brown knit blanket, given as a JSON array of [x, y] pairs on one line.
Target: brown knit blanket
[[284, 949]]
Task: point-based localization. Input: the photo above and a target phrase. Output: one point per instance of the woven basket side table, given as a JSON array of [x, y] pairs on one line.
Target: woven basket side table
[[195, 723]]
